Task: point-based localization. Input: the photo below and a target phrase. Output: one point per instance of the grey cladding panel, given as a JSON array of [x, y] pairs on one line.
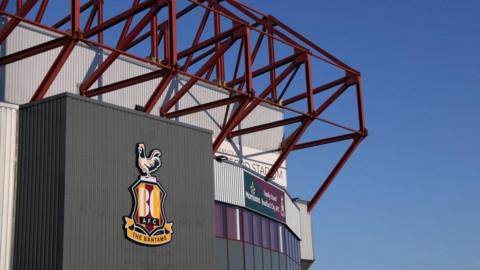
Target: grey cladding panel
[[39, 206], [100, 166]]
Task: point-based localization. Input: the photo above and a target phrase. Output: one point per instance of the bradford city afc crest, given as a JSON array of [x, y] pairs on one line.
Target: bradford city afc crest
[[147, 223]]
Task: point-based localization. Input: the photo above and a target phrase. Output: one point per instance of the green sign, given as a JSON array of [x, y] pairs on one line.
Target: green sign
[[263, 197]]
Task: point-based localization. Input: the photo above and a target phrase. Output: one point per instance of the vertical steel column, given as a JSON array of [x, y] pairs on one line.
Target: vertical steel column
[[271, 59], [75, 16], [100, 19], [220, 70], [172, 30], [154, 39], [248, 61], [361, 113], [309, 87]]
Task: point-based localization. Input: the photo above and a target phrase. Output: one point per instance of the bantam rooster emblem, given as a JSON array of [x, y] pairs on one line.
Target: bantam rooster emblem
[[147, 223], [148, 165]]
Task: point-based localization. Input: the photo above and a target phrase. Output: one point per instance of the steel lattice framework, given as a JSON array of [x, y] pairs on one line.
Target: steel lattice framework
[[208, 49]]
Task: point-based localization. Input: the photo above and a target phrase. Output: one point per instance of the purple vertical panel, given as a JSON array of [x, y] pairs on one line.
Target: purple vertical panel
[[232, 223], [257, 230], [266, 233], [287, 243], [220, 220], [274, 235], [281, 239], [247, 226]]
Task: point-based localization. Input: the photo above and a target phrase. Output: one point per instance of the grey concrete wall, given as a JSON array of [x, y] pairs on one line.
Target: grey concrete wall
[[87, 187]]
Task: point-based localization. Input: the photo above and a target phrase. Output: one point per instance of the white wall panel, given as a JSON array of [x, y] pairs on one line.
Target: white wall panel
[[8, 160], [229, 183], [293, 217], [306, 245]]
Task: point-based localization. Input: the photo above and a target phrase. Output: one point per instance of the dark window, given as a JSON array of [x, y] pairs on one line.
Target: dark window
[[247, 226], [265, 233], [257, 230], [220, 220]]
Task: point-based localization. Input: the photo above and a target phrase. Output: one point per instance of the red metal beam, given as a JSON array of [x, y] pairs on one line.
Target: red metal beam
[[287, 85], [313, 45], [124, 15], [33, 50], [248, 77], [288, 147], [54, 70], [333, 174], [126, 83], [91, 16], [4, 4], [204, 44], [100, 19], [265, 69], [270, 125], [230, 125], [75, 16], [223, 48], [198, 35], [308, 82], [315, 91], [244, 110], [41, 11], [212, 50], [114, 55], [172, 30], [271, 60], [361, 113], [205, 107], [13, 22], [158, 92], [293, 139], [67, 18], [154, 39], [325, 141], [220, 68], [198, 58], [161, 27], [127, 24]]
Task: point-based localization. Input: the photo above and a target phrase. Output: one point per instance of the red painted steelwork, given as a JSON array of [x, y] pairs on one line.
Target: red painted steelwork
[[207, 52]]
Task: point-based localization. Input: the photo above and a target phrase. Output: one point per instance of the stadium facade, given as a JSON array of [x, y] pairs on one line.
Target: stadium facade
[[110, 179]]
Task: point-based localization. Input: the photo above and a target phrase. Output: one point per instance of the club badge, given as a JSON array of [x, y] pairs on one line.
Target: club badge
[[147, 223]]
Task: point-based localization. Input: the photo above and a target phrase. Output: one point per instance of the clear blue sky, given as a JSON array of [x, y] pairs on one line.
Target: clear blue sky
[[410, 196]]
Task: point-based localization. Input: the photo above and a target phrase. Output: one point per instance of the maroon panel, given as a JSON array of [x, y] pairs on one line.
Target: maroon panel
[[247, 226], [220, 230], [231, 223]]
